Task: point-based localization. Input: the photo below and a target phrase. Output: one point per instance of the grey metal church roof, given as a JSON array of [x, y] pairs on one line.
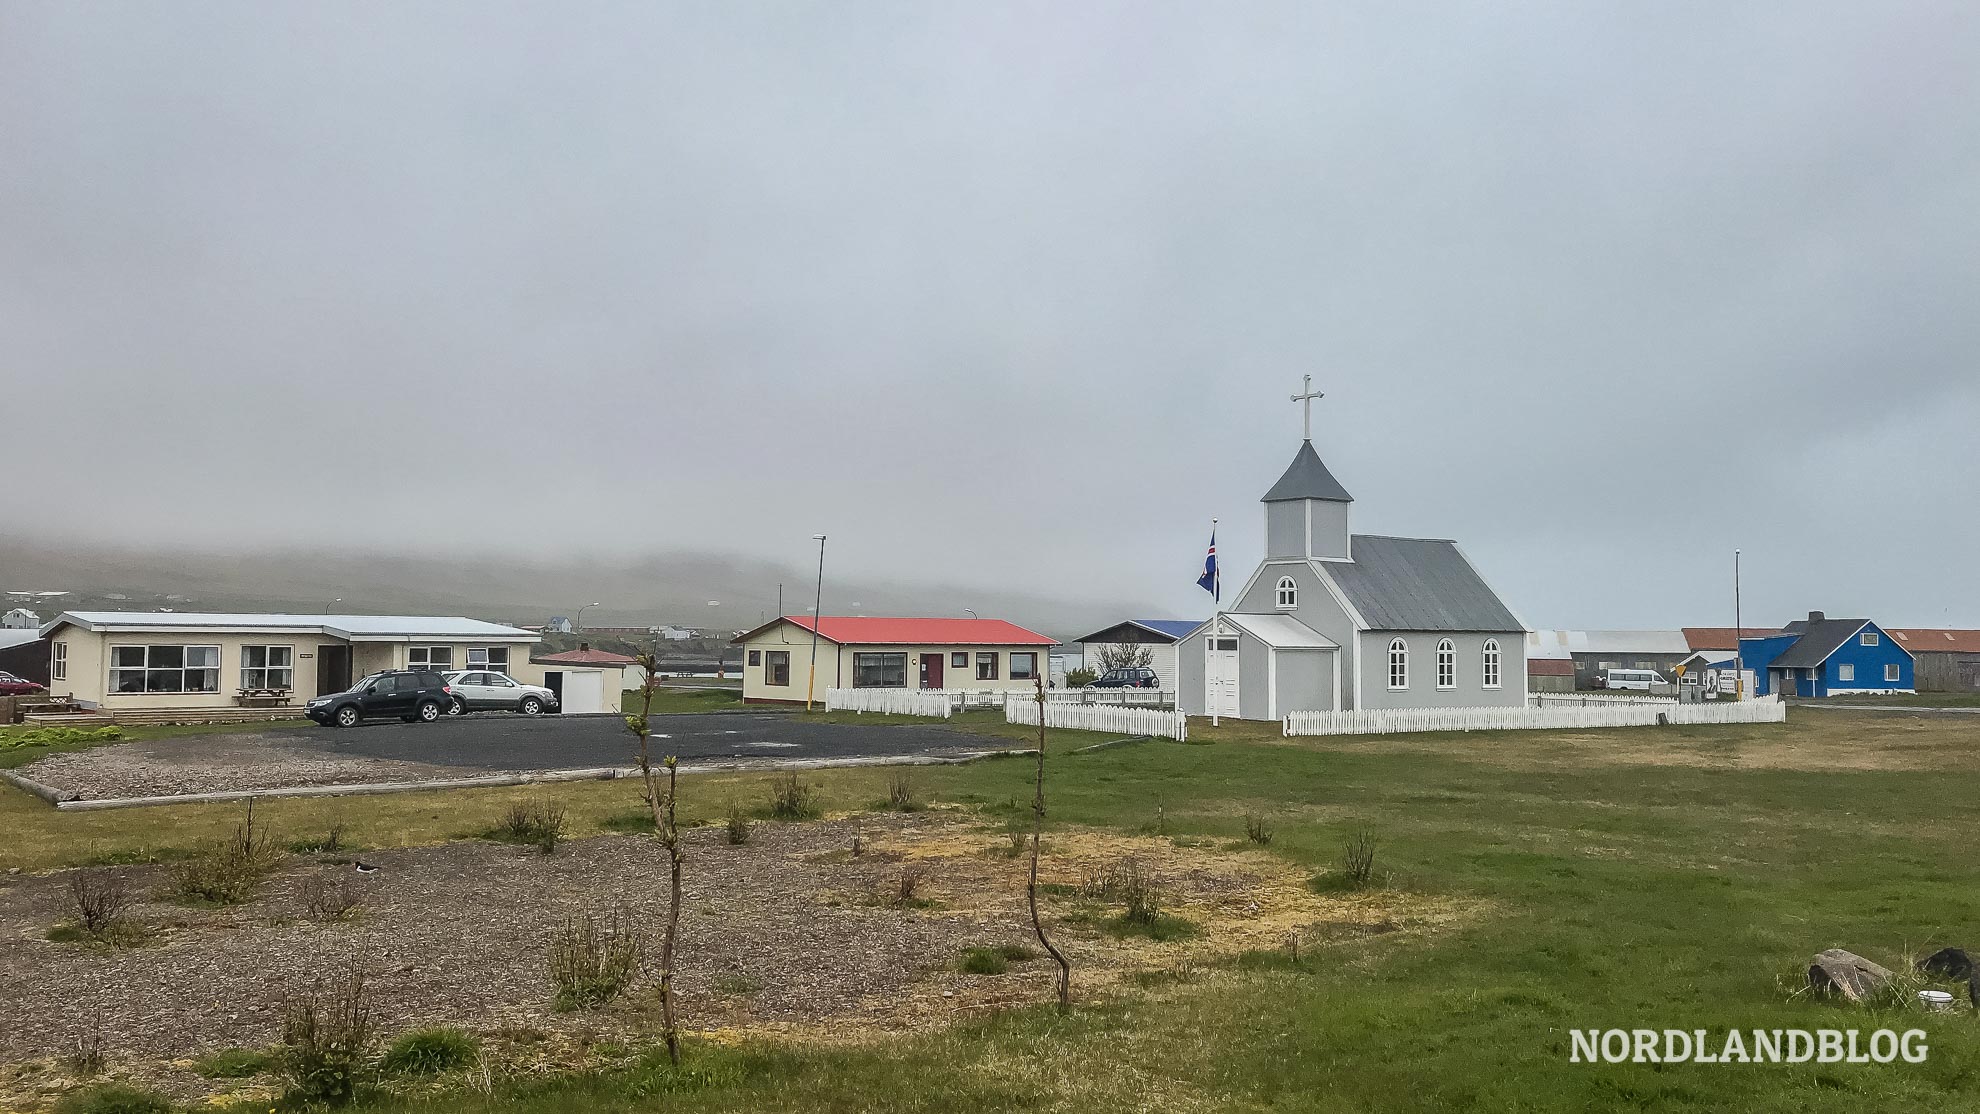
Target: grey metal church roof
[[1407, 584], [1307, 478]]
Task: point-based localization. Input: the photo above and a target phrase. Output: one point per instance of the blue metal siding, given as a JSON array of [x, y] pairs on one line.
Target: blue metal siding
[[1869, 662], [1758, 653]]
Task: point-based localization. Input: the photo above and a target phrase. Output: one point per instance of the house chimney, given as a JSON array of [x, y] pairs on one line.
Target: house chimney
[[587, 645], [1815, 617]]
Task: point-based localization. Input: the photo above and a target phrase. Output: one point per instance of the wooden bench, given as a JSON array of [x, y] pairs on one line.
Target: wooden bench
[[249, 697]]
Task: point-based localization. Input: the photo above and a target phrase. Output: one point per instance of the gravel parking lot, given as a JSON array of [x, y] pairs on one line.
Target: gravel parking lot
[[288, 756]]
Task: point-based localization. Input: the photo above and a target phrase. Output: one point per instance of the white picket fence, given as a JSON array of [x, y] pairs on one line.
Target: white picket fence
[[1098, 717], [1613, 714], [1590, 699], [893, 702]]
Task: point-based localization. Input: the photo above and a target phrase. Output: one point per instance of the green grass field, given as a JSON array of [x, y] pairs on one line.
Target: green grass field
[[1658, 878]]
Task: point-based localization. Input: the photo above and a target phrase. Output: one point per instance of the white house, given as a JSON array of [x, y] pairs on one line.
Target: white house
[[1157, 637], [872, 651], [1337, 620], [20, 618], [155, 661]]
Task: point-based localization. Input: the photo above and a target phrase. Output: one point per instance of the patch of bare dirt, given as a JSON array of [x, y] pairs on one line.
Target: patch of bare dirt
[[789, 935], [221, 762]]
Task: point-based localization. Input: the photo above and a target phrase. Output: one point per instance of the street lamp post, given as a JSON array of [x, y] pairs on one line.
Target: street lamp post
[[331, 604], [817, 616], [579, 625], [1739, 636]]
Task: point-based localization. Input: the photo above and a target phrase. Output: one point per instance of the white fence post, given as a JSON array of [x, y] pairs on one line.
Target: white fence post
[[1100, 717]]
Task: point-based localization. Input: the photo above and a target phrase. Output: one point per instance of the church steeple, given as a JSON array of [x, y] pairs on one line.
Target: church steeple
[[1306, 512]]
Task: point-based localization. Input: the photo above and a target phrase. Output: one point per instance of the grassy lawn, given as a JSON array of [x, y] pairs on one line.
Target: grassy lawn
[[1909, 699], [1673, 878], [678, 699]]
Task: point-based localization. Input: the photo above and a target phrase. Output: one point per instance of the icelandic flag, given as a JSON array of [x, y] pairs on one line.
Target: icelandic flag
[[1211, 581]]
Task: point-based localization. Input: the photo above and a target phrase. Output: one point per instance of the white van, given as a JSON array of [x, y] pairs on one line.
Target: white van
[[1644, 679]]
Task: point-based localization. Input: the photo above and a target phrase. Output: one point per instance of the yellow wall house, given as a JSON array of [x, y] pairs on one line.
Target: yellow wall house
[[146, 661], [870, 651]]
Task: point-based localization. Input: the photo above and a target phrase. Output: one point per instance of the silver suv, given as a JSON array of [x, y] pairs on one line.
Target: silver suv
[[478, 691]]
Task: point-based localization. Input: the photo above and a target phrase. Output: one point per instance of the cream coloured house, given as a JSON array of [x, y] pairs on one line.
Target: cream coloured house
[[871, 651], [147, 661]]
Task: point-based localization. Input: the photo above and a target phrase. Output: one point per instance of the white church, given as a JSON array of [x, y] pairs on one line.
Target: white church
[[1337, 620]]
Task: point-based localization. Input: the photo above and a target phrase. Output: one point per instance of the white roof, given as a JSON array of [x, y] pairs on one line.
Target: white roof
[[353, 628], [1281, 631], [1611, 642], [17, 636]]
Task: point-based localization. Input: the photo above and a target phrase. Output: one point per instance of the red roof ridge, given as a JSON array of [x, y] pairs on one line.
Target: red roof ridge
[[911, 630]]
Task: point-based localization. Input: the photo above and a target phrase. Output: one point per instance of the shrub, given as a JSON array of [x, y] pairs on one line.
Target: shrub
[[228, 871], [1081, 677], [909, 884], [56, 736], [329, 843], [984, 961], [234, 1063], [332, 897], [538, 820], [1128, 884], [737, 825], [431, 1051], [114, 1098], [1017, 842], [100, 897], [900, 794], [791, 799], [1358, 858], [1256, 829], [88, 1061], [592, 961], [326, 1038]]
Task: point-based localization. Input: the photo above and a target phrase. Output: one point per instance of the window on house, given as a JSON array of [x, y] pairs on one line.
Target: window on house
[[1893, 673], [1870, 638], [776, 667], [1398, 664], [756, 657], [1845, 672], [1288, 592], [268, 667], [1446, 664], [440, 659], [1491, 669], [164, 669], [986, 667], [494, 659], [959, 659], [58, 662], [1228, 645], [879, 671], [1024, 666]]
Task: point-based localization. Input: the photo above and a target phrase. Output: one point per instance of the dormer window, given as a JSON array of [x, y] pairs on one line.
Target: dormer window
[[1288, 592]]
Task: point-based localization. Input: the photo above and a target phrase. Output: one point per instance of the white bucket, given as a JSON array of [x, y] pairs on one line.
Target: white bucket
[[1936, 1000]]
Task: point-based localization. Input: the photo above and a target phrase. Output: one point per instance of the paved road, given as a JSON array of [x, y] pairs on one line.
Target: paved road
[[506, 742]]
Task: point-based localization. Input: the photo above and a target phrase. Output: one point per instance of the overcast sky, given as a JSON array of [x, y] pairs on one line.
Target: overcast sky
[[1011, 295]]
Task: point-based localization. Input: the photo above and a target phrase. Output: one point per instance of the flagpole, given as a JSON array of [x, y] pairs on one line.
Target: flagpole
[[1216, 622]]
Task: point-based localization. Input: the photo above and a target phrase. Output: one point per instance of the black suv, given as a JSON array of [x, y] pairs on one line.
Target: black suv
[[410, 694], [1139, 678]]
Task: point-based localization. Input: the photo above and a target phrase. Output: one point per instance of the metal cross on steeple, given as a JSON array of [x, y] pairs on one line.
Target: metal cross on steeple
[[1305, 398]]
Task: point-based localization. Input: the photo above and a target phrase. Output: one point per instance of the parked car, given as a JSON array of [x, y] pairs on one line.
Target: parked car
[[413, 695], [476, 691], [1644, 679], [11, 685], [1140, 677]]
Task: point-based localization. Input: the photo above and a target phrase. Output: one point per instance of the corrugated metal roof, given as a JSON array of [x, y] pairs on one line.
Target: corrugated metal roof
[[1549, 667], [17, 636], [1307, 478], [1931, 640], [1722, 638], [1818, 640], [1174, 628], [1417, 584], [343, 626], [876, 629], [1282, 631]]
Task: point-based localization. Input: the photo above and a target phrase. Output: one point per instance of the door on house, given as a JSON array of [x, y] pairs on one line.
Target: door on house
[[333, 669], [931, 671], [1220, 676], [553, 679]]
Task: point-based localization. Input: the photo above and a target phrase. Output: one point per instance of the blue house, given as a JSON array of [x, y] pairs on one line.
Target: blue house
[[1821, 656]]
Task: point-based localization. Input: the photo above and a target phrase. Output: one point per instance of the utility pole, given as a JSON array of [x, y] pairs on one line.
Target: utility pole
[[817, 617], [1739, 636]]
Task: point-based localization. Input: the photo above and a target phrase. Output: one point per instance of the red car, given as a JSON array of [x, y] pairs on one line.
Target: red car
[[11, 685]]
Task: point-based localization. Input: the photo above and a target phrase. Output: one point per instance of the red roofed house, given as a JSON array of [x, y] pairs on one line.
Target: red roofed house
[[870, 651], [1946, 660], [584, 679]]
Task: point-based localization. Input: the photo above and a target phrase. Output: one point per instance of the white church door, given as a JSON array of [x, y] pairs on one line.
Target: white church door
[[1220, 676]]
